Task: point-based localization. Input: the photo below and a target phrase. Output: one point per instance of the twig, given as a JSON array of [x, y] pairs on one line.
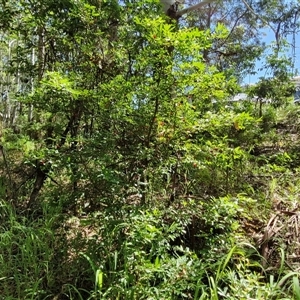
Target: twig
[[258, 16]]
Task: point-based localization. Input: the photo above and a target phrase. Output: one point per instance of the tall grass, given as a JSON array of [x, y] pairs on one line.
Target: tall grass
[[134, 257]]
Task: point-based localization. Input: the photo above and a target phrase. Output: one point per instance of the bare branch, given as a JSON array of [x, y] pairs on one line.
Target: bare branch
[[265, 22], [192, 8]]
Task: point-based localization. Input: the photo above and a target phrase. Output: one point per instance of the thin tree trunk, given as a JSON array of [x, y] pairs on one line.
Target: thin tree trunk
[[40, 178]]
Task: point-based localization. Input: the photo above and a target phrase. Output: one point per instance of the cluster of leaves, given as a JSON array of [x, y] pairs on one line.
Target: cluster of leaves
[[134, 173]]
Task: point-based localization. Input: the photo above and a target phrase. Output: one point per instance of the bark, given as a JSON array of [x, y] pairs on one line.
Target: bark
[[170, 7], [187, 10], [41, 176]]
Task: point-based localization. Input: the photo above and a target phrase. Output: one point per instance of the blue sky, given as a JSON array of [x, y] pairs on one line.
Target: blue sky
[[269, 38]]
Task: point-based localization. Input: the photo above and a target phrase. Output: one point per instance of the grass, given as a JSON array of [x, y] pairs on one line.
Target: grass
[[194, 248], [143, 265]]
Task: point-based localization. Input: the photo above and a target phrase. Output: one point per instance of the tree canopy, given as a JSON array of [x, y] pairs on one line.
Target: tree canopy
[[127, 170]]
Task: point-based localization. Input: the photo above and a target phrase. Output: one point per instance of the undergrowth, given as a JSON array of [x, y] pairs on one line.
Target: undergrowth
[[232, 236]]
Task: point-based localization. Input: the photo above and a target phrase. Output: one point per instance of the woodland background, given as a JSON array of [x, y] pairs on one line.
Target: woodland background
[[126, 171]]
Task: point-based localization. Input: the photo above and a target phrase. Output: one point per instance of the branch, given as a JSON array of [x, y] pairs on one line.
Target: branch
[[258, 16], [192, 8], [2, 151]]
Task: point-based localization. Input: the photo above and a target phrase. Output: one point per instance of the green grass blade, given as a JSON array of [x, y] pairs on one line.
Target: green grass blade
[[296, 288]]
